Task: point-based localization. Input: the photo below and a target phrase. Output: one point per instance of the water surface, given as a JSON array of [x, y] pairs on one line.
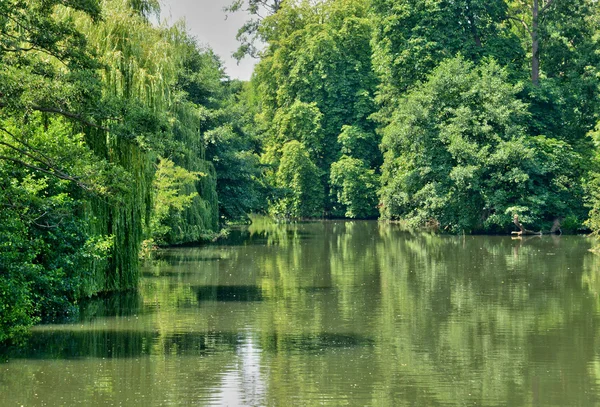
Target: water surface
[[332, 313]]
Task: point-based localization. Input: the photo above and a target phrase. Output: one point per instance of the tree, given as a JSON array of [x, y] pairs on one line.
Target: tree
[[411, 37], [457, 154], [169, 197], [354, 182], [362, 144], [534, 13], [355, 186], [317, 58], [239, 172], [299, 179], [301, 122], [249, 34], [555, 33], [86, 105]]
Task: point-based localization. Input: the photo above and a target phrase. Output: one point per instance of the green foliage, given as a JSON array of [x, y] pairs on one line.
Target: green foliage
[[91, 94], [358, 143], [457, 153], [301, 122], [315, 76], [86, 104], [238, 173], [412, 37], [592, 187], [299, 179], [168, 184], [250, 32], [233, 146], [47, 251], [158, 77], [355, 186]]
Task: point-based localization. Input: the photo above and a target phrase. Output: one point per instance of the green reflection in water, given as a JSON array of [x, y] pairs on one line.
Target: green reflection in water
[[332, 313]]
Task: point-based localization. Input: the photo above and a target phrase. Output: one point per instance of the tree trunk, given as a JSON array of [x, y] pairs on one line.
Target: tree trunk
[[471, 20], [522, 230], [535, 52]]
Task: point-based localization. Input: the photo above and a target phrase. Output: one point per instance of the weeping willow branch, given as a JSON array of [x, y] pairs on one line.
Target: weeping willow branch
[[70, 115]]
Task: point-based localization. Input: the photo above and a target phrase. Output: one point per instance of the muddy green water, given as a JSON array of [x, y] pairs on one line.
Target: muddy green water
[[332, 313]]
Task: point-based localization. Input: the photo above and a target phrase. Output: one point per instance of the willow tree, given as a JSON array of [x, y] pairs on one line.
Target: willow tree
[[87, 102], [48, 88], [142, 68]]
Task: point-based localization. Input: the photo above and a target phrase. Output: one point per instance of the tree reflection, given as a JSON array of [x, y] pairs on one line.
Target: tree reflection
[[353, 313]]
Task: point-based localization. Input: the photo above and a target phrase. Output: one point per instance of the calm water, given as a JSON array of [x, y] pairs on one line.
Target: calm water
[[332, 313]]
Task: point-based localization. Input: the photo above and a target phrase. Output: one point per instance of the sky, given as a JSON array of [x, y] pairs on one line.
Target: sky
[[208, 23]]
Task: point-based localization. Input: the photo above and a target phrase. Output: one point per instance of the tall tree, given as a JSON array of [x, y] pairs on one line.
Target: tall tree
[[317, 55], [529, 14], [298, 177], [412, 37]]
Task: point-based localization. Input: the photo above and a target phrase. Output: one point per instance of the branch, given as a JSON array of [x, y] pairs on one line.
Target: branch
[[68, 114], [18, 140], [54, 173], [525, 4], [522, 231], [65, 113], [546, 6], [522, 22], [51, 168], [22, 38], [18, 49]]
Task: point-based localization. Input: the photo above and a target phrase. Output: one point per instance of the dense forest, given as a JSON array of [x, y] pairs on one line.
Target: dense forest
[[118, 134]]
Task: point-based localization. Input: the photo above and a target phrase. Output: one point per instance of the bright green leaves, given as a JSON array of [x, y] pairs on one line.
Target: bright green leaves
[[299, 179], [358, 143], [170, 197], [301, 122], [355, 187], [354, 183]]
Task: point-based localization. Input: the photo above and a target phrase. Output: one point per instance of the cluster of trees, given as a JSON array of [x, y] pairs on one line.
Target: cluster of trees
[[118, 134], [456, 114]]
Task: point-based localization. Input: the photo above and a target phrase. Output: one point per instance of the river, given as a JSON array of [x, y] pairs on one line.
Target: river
[[333, 313]]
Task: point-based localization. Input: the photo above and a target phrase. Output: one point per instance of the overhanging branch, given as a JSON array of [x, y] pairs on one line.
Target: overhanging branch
[[65, 113]]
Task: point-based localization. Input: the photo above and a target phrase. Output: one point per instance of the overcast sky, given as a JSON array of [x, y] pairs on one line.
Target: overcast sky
[[207, 22]]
